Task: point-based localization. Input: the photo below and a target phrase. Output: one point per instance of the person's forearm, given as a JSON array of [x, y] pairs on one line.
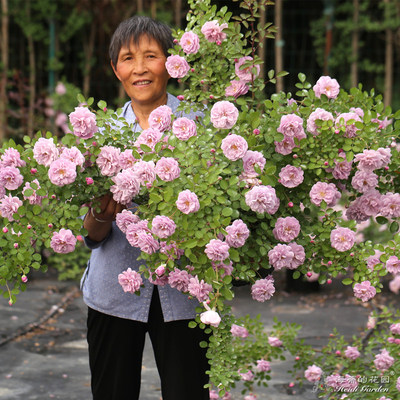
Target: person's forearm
[[97, 228]]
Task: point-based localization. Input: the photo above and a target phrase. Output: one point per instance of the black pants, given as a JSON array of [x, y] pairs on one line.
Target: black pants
[[116, 349]]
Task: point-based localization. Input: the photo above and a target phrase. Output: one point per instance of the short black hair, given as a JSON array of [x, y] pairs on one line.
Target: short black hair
[[133, 29]]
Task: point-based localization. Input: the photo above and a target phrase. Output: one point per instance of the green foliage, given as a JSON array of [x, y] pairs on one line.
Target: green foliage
[[221, 187]]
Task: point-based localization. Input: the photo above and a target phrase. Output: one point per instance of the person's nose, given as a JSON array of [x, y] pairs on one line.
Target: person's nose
[[140, 66]]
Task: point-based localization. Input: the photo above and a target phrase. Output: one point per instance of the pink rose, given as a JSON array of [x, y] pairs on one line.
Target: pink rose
[[217, 250], [177, 66], [145, 172], [364, 291], [262, 199], [246, 376], [239, 331], [213, 31], [60, 89], [327, 192], [125, 218], [234, 147], [313, 373], [291, 176], [250, 159], [342, 239], [33, 198], [83, 122], [369, 160], [363, 181], [160, 118], [184, 128], [190, 42], [285, 146], [108, 160], [10, 178], [318, 115], [179, 279], [74, 155], [246, 74], [299, 255], [383, 361], [281, 256], [149, 137], [210, 317], [126, 186], [163, 226], [291, 125], [62, 172], [187, 202], [133, 230], [236, 89], [224, 115], [12, 158], [147, 243], [274, 341], [390, 205], [263, 365], [393, 265], [9, 206], [199, 289], [350, 129], [130, 280], [237, 234], [286, 229], [167, 169], [395, 329], [394, 284], [63, 241], [342, 167], [327, 86], [352, 353], [45, 151], [126, 159], [263, 289]]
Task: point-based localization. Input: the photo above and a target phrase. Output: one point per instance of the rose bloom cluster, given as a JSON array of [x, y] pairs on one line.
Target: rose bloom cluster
[[371, 202], [149, 238]]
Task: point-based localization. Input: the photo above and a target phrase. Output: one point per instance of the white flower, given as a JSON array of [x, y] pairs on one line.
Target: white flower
[[210, 317]]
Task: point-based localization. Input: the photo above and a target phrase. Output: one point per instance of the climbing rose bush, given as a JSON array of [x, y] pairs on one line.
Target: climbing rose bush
[[232, 188]]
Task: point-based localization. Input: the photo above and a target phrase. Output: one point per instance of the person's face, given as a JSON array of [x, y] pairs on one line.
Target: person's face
[[141, 70]]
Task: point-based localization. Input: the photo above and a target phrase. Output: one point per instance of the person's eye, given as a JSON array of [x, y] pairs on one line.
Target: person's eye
[[151, 56]]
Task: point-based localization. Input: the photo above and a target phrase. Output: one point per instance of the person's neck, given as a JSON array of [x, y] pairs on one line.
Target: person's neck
[[143, 111]]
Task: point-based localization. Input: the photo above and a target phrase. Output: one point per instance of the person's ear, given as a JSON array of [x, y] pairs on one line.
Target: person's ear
[[115, 70]]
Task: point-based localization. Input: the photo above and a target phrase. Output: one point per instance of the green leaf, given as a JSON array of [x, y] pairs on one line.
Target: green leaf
[[189, 244], [302, 77], [394, 227], [227, 211], [102, 104], [155, 197], [80, 98], [347, 281], [381, 220], [192, 324], [146, 148]]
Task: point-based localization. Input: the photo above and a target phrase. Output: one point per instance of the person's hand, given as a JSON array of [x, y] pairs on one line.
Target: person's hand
[[105, 209], [102, 213]]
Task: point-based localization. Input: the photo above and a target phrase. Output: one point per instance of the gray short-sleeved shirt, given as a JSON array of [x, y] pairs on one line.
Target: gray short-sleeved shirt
[[100, 287]]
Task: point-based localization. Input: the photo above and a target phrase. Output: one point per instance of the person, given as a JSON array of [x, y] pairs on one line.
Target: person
[[118, 322]]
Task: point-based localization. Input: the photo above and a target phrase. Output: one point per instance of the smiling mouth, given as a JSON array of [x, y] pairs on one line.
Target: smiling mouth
[[141, 83]]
